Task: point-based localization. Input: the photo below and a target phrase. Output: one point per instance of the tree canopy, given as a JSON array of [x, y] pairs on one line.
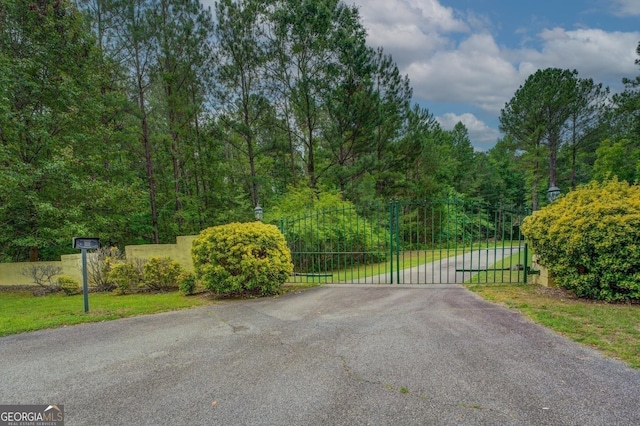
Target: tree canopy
[[137, 121]]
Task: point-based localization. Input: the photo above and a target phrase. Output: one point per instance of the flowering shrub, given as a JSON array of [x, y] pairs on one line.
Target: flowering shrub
[[590, 240], [242, 257]]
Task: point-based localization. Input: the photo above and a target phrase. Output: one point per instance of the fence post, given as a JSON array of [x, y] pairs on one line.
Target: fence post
[[391, 240], [397, 232], [526, 262]]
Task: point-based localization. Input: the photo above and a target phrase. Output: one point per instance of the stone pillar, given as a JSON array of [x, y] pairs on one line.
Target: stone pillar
[[545, 277]]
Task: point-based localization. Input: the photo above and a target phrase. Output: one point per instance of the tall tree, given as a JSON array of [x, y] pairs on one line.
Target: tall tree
[[425, 157], [351, 106], [133, 46], [627, 105], [585, 120], [535, 120], [183, 29], [241, 53], [306, 38], [393, 106], [463, 154]]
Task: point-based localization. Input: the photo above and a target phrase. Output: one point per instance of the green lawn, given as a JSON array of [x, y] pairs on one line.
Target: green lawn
[[21, 311], [505, 271]]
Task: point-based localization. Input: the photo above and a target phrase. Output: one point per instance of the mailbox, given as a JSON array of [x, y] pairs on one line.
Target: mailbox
[[86, 243]]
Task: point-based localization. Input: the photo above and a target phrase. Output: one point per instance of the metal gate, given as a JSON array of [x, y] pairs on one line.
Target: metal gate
[[407, 242]]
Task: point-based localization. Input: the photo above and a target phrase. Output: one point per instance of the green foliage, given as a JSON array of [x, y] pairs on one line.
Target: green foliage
[[57, 160], [620, 159], [68, 285], [187, 283], [242, 257], [126, 276], [590, 240], [161, 274], [325, 224]]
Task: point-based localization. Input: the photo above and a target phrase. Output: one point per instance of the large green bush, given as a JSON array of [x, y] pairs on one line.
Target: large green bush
[[590, 240], [327, 233], [242, 257]]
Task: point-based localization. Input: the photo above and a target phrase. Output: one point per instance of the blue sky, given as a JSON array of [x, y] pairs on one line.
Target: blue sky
[[466, 58]]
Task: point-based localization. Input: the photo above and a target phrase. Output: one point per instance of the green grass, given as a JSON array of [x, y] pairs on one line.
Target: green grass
[[504, 271], [21, 311], [611, 328]]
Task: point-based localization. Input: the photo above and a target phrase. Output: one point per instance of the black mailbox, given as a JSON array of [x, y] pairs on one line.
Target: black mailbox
[[86, 243]]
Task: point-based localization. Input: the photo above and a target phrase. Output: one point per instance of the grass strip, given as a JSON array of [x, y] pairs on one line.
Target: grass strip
[[22, 311]]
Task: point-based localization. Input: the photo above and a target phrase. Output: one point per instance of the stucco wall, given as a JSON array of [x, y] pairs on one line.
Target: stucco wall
[[180, 251], [71, 264], [11, 273]]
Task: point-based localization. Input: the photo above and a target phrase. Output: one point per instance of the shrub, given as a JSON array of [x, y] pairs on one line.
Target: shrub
[[125, 276], [187, 283], [42, 275], [161, 274], [590, 240], [326, 233], [242, 257], [68, 285], [99, 265]]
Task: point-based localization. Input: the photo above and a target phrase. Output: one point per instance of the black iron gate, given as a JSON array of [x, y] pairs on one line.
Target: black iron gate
[[406, 242]]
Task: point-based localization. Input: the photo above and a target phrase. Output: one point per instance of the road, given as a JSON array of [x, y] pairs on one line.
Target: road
[[333, 355], [454, 269]]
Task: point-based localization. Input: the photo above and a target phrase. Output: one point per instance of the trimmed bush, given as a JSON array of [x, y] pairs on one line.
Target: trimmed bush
[[187, 283], [242, 258], [590, 240], [125, 276], [69, 285], [161, 274]]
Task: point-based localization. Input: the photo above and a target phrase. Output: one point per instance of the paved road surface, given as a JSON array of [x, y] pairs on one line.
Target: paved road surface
[[333, 355]]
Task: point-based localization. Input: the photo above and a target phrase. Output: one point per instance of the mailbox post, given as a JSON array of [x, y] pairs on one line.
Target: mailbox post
[[84, 244]]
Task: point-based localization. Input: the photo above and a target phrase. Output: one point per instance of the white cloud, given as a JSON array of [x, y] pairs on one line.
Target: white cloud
[[603, 56], [409, 27], [626, 7], [482, 136], [475, 72]]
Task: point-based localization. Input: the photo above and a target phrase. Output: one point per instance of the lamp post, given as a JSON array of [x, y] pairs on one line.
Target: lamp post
[[258, 212], [553, 193]]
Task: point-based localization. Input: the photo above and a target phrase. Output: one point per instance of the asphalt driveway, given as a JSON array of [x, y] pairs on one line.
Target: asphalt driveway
[[335, 355]]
